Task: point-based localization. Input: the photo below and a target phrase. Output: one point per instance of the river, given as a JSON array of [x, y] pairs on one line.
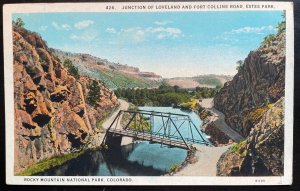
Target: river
[[135, 159]]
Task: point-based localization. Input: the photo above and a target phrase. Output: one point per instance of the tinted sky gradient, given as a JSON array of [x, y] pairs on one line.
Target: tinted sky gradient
[[170, 44]]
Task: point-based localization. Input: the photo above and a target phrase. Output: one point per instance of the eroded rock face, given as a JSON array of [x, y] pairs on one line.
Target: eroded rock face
[[217, 137], [51, 114], [259, 82], [262, 152]]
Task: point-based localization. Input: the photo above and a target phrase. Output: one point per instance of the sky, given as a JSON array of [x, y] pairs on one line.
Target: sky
[[171, 44]]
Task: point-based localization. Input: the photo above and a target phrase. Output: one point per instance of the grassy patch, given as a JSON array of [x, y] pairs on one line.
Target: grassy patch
[[189, 105], [115, 79], [174, 167], [49, 163], [238, 147], [255, 116]]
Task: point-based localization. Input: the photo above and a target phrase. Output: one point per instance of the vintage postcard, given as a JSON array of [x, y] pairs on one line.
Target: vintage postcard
[[152, 93]]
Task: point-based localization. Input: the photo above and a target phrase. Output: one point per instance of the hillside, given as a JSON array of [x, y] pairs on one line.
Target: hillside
[[253, 104], [210, 81], [114, 75], [55, 112]]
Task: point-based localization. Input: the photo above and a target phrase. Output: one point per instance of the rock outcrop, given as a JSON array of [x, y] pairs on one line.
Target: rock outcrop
[[217, 137], [52, 115], [261, 153], [261, 80], [253, 104]]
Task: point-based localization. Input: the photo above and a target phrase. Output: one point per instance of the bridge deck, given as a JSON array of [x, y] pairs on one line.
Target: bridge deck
[[152, 137]]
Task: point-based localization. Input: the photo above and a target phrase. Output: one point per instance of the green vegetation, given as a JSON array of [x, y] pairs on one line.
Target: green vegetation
[[99, 125], [208, 79], [255, 116], [204, 92], [271, 37], [281, 26], [71, 68], [174, 167], [94, 93], [49, 163], [240, 65], [237, 147], [115, 79], [165, 96], [140, 123], [19, 22], [268, 40], [189, 105]]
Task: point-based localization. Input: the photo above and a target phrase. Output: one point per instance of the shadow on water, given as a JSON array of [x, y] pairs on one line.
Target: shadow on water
[[126, 161]]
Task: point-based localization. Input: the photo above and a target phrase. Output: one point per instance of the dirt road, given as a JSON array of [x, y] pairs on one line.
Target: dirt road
[[219, 120], [123, 106], [207, 162]]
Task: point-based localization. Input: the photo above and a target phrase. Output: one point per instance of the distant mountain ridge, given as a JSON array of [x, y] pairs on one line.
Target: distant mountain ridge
[[208, 80], [113, 74]]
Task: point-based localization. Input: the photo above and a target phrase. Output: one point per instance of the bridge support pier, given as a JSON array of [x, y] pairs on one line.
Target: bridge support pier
[[113, 141]]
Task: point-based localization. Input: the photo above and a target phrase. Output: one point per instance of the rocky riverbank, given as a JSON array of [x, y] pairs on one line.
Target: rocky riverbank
[[214, 125]]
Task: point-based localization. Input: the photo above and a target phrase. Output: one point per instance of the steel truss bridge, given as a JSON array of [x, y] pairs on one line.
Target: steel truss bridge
[[139, 125]]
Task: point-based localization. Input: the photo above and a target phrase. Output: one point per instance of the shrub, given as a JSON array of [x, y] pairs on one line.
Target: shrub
[[268, 40], [71, 68], [19, 22], [255, 116], [236, 148], [94, 93], [173, 167], [240, 65]]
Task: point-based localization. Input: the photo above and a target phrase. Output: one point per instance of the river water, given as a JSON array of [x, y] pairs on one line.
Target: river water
[[136, 159]]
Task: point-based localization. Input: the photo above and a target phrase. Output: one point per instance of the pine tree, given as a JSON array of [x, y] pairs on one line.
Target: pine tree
[[94, 93]]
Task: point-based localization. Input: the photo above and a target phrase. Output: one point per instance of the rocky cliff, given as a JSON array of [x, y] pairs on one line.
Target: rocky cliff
[[261, 153], [253, 104], [259, 81], [52, 115]]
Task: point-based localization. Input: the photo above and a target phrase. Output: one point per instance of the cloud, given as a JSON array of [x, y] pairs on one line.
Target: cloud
[[61, 26], [162, 22], [139, 34], [255, 30], [111, 30], [83, 24], [43, 28], [242, 34], [87, 36], [66, 27], [56, 26], [162, 32]]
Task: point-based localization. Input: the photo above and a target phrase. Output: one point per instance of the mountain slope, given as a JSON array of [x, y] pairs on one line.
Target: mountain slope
[[53, 114], [210, 81], [114, 75]]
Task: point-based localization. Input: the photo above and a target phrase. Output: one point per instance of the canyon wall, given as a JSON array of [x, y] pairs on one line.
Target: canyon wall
[[52, 114], [253, 104]]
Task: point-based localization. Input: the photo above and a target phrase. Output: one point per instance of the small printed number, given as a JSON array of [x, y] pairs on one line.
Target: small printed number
[[260, 180], [110, 7]]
